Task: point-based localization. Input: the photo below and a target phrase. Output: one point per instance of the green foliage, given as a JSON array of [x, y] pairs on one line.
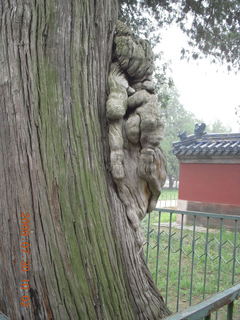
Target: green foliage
[[211, 25], [177, 120]]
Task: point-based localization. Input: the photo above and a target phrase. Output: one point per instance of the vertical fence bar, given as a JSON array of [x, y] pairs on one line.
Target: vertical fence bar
[[148, 236], [220, 255], [158, 246], [180, 262], [193, 256], [230, 311], [219, 259], [206, 258], [234, 251], [169, 251]]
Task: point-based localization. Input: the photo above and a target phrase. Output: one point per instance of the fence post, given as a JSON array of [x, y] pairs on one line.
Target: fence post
[[230, 311]]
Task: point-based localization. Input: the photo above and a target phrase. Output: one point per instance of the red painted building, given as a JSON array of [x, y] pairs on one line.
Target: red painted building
[[209, 172]]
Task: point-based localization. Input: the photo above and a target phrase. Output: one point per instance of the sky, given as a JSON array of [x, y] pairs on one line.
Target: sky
[[207, 90]]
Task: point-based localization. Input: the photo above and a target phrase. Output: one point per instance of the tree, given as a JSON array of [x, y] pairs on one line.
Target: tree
[[218, 127], [212, 26], [66, 236], [66, 241], [176, 120]]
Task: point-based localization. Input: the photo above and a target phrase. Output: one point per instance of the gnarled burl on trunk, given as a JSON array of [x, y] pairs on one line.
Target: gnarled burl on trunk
[[135, 126]]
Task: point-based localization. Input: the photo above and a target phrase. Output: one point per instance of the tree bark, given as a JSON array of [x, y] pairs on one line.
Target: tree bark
[[83, 261]]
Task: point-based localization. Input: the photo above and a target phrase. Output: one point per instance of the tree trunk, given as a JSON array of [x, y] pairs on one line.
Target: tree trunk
[[80, 256], [171, 181]]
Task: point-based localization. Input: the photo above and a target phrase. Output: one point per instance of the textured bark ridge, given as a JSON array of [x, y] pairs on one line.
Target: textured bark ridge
[[135, 127], [84, 262]]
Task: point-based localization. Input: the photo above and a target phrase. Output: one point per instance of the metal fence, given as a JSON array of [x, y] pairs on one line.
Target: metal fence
[[192, 255], [207, 307]]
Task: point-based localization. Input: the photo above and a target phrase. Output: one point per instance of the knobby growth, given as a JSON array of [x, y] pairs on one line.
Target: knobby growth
[[135, 127]]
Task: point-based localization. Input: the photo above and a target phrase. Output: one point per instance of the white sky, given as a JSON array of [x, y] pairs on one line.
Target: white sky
[[205, 89]]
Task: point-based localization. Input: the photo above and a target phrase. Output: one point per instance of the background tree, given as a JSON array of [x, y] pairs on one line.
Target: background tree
[[176, 120], [218, 127]]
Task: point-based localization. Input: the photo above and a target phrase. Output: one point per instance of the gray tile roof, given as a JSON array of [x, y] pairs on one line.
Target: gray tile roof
[[208, 145]]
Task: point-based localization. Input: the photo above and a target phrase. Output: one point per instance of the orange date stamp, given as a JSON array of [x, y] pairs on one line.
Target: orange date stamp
[[25, 263]]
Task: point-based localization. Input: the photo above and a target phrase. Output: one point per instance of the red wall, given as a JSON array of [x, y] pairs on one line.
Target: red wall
[[216, 183]]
